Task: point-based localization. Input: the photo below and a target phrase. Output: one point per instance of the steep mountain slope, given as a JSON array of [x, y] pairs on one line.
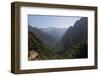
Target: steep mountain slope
[[43, 36], [34, 42], [37, 50], [74, 35]]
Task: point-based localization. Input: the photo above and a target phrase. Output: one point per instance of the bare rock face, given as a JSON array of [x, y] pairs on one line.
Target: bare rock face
[[32, 55]]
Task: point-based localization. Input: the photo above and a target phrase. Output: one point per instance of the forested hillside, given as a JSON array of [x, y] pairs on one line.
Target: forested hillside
[[73, 44]]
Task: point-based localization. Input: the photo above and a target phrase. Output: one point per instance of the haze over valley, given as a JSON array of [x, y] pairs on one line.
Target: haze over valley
[[58, 42]]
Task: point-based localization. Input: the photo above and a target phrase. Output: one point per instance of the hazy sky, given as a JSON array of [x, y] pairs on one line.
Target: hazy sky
[[51, 21]]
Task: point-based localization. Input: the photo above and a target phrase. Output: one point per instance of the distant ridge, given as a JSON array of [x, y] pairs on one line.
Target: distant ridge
[[43, 36], [57, 33]]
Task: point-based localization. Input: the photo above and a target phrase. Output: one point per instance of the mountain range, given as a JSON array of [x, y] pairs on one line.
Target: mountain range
[[64, 43], [57, 33]]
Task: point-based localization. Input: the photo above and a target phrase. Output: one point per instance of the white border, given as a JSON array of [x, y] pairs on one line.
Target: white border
[[25, 64]]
